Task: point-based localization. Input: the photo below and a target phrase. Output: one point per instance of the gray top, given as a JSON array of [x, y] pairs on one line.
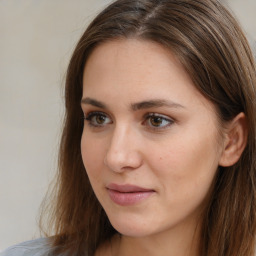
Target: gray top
[[37, 247]]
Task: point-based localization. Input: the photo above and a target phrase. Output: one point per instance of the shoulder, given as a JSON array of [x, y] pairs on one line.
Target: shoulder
[[37, 247]]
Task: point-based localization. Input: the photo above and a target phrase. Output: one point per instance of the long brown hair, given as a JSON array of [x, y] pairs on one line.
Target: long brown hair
[[215, 53]]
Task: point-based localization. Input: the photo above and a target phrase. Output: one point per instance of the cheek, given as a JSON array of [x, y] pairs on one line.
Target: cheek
[[92, 155], [186, 170]]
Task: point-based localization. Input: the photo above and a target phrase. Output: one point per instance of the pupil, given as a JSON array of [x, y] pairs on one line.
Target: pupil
[[156, 121], [100, 119]]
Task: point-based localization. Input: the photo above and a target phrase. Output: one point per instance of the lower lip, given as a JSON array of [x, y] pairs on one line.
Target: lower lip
[[126, 199]]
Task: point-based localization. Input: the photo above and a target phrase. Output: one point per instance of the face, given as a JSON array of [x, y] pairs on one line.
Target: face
[[150, 140]]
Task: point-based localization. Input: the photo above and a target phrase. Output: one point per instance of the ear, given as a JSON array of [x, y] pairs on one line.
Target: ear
[[235, 141]]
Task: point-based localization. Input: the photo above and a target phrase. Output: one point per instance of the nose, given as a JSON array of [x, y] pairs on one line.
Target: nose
[[124, 150]]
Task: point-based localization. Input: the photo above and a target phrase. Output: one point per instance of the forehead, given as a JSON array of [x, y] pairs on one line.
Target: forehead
[[143, 53], [137, 70], [135, 60]]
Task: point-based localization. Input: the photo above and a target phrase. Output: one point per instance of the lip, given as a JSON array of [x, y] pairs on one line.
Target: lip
[[127, 194]]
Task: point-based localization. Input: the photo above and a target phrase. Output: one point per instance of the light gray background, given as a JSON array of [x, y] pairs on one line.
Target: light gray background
[[36, 41]]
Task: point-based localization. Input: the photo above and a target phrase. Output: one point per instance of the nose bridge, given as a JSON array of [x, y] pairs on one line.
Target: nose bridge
[[123, 152], [120, 135]]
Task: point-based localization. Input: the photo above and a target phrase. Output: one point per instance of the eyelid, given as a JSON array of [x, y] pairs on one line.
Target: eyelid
[[93, 113], [150, 114]]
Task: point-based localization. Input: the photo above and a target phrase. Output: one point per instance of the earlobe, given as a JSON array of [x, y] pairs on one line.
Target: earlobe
[[235, 142]]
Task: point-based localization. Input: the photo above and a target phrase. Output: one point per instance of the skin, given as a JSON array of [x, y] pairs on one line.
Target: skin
[[176, 155]]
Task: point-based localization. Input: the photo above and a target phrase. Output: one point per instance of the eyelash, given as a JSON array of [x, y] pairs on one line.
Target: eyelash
[[149, 116]]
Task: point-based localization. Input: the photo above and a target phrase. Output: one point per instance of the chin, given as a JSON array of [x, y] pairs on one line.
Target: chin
[[131, 230], [132, 226]]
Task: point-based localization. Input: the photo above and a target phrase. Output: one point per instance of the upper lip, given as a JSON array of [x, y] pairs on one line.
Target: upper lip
[[127, 188]]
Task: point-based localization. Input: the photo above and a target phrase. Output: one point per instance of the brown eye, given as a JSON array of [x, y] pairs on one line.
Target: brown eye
[[98, 119], [156, 121]]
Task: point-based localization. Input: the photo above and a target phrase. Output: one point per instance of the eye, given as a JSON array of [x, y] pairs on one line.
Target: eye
[[97, 119], [157, 121]]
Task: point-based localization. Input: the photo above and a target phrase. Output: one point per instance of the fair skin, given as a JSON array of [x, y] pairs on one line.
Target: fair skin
[[146, 125]]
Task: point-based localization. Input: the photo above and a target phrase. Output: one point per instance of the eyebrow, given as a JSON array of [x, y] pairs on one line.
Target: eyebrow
[[156, 103], [93, 102]]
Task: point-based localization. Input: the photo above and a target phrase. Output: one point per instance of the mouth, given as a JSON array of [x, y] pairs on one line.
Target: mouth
[[126, 195]]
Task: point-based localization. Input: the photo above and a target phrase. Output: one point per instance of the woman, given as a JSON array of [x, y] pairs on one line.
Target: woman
[[157, 152]]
